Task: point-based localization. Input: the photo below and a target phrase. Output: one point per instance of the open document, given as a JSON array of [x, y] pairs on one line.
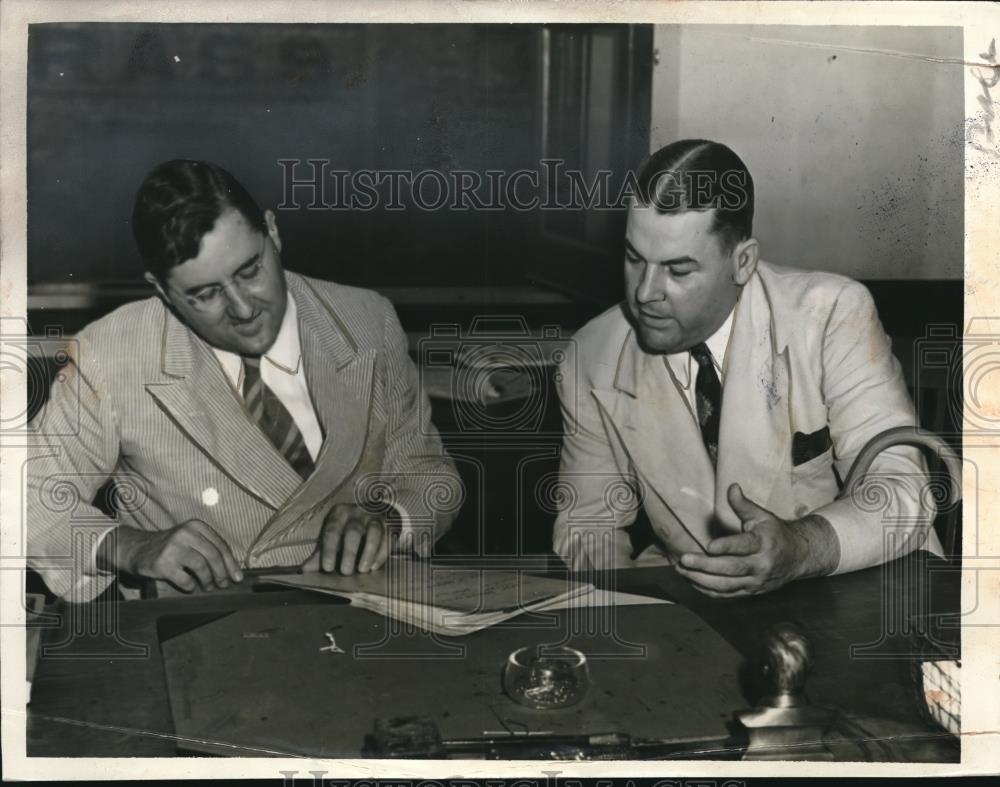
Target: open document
[[447, 600]]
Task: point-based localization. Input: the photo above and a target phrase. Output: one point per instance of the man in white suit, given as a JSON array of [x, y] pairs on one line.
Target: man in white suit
[[728, 394], [252, 416]]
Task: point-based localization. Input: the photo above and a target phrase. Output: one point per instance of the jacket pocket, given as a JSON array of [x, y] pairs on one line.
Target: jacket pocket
[[814, 484], [814, 468], [809, 446]]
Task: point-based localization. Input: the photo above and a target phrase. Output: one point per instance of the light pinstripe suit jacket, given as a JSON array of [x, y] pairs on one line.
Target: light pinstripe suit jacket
[[145, 401]]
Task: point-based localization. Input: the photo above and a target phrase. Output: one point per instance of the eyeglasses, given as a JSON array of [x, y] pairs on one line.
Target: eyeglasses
[[248, 280]]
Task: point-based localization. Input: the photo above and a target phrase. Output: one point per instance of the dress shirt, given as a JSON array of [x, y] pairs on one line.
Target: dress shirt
[[282, 371], [684, 367], [290, 388]]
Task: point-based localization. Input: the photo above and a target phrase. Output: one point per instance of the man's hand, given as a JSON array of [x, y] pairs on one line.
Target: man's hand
[[769, 553], [346, 526], [186, 556], [588, 550]]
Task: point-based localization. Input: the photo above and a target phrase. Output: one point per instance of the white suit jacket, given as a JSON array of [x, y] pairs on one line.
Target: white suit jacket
[[807, 353], [145, 401]]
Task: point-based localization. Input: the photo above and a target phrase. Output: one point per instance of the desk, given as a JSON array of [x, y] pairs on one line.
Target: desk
[[104, 694]]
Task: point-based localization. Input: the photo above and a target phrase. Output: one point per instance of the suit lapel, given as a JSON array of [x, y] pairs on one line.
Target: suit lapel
[[199, 398], [754, 431], [656, 426], [340, 383], [339, 376]]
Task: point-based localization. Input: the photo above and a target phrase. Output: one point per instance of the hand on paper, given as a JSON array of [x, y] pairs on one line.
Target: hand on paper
[[351, 539], [186, 556], [769, 553]]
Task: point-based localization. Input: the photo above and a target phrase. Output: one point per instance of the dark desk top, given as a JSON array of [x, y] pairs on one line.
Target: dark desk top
[[99, 688]]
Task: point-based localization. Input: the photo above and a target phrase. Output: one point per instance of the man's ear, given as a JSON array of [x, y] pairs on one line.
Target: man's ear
[[272, 228], [745, 256], [151, 279]]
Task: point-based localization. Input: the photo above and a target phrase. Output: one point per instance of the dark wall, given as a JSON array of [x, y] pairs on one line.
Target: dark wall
[[106, 102]]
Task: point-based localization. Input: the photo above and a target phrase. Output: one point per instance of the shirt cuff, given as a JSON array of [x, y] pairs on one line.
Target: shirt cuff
[[406, 535], [413, 538], [863, 539], [90, 568], [571, 537]]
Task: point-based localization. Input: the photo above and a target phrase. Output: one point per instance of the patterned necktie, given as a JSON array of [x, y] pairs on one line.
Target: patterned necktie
[[275, 421], [708, 395]]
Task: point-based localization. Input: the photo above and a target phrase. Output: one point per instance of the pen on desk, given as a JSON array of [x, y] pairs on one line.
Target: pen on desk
[[614, 744], [605, 739]]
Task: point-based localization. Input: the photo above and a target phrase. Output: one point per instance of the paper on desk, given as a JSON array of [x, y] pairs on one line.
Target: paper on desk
[[598, 597], [446, 600], [459, 589], [451, 623]]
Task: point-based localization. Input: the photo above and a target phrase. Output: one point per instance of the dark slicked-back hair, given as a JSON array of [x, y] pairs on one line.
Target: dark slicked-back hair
[[697, 174], [178, 203]]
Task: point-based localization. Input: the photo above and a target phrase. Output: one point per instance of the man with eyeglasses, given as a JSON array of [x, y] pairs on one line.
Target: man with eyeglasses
[[252, 417]]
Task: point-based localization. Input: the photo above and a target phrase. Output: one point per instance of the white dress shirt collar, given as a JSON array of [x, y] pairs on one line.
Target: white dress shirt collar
[[286, 351], [682, 364]]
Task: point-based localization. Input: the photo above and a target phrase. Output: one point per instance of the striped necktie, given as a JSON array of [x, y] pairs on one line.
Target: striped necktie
[[708, 395], [274, 419]]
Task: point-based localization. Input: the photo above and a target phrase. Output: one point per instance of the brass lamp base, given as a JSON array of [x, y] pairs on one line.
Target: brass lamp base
[[795, 732]]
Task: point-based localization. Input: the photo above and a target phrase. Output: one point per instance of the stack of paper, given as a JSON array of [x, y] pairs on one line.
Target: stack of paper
[[446, 600]]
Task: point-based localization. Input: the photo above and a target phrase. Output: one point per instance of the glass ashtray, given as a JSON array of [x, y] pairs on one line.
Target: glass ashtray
[[547, 677]]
